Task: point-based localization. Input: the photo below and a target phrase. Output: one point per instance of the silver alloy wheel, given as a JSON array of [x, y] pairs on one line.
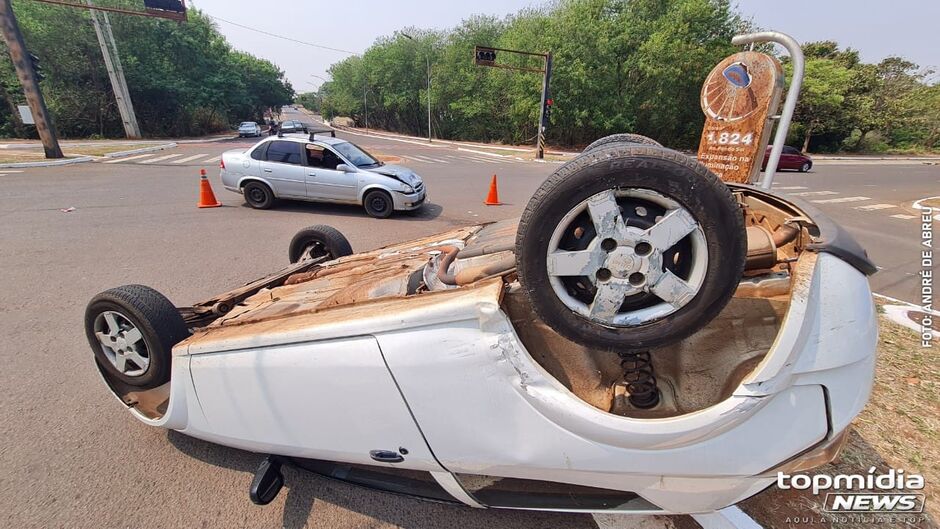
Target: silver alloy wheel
[[122, 343], [623, 261]]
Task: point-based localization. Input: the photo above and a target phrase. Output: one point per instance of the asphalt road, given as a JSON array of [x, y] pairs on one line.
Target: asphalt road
[[72, 457]]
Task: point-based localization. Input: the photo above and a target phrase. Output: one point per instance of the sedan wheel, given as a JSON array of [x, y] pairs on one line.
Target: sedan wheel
[[258, 195], [317, 242], [132, 331], [630, 247], [805, 167], [378, 204]]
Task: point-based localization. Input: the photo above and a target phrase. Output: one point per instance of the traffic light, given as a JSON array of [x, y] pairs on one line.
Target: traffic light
[[547, 112], [34, 61], [485, 56], [166, 5], [172, 9]]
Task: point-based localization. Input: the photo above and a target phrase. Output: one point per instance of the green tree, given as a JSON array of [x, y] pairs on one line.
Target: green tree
[[822, 97], [184, 79]]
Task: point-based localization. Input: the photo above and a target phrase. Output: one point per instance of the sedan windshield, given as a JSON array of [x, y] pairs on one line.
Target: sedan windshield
[[248, 124], [356, 155]]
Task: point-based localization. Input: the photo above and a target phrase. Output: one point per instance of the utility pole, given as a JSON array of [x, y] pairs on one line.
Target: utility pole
[[112, 61], [27, 76]]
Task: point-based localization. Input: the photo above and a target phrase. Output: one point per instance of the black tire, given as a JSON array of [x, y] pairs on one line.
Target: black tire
[[318, 241], [625, 137], [258, 195], [158, 321], [666, 172], [378, 204], [806, 167]]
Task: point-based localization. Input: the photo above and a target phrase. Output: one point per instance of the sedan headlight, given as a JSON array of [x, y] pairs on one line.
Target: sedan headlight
[[408, 189]]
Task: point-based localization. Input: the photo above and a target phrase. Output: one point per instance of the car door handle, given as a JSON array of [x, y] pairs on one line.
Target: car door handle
[[268, 170], [311, 174], [386, 456]]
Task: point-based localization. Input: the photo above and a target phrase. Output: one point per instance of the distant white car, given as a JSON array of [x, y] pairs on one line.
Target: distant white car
[[320, 168], [249, 128]]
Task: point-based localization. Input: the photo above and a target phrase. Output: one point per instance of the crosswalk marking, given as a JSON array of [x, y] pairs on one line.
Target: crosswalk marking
[[428, 159], [789, 188], [903, 217], [841, 200], [814, 193], [210, 160], [875, 207], [129, 158], [161, 158], [190, 158]]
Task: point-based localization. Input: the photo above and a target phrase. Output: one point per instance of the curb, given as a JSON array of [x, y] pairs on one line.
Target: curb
[[52, 163], [121, 154]]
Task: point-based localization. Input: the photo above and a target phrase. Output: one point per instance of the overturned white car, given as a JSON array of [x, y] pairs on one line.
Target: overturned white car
[[645, 339]]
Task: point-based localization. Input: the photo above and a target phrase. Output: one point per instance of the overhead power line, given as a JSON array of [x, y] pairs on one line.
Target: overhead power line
[[282, 37]]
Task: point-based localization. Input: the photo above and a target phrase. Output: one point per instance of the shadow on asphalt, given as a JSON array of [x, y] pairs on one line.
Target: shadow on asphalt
[[428, 211], [304, 488]]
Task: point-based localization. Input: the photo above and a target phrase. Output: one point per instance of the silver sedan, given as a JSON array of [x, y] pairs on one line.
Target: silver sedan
[[320, 168]]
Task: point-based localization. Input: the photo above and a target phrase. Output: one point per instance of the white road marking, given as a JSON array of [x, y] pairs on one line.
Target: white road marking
[[918, 204], [129, 158], [160, 159], [841, 200], [5, 171], [785, 188], [210, 160], [438, 160], [875, 207], [190, 158], [903, 217], [813, 193]]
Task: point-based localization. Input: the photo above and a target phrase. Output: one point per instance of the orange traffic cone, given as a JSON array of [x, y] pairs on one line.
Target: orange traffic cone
[[492, 199], [206, 196]]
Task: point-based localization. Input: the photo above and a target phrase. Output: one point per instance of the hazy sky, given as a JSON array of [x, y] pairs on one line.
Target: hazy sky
[[877, 29]]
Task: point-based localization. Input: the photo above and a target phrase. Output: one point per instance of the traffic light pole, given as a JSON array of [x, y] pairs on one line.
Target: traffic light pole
[[27, 76], [486, 56], [543, 117]]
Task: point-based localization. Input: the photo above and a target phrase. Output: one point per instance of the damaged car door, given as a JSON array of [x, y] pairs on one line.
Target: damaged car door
[[330, 399]]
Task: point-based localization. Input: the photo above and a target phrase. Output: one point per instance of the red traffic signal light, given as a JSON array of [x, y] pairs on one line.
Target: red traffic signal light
[[549, 102]]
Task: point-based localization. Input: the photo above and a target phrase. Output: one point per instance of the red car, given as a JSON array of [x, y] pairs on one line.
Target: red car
[[790, 158]]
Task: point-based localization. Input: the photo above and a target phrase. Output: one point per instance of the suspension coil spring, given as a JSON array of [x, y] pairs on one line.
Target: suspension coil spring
[[639, 378]]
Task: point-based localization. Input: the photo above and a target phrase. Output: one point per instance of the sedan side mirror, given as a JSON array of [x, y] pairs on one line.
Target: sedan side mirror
[[345, 168]]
